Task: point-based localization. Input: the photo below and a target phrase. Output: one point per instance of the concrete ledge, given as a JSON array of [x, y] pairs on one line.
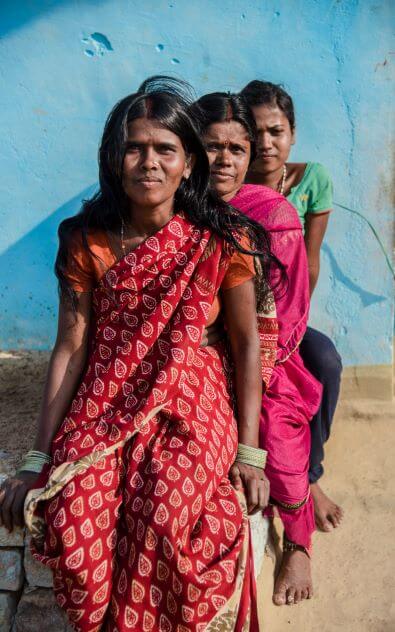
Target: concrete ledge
[[367, 382]]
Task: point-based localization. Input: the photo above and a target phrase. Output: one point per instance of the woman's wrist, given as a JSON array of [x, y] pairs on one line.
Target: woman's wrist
[[34, 461], [248, 430], [251, 456]]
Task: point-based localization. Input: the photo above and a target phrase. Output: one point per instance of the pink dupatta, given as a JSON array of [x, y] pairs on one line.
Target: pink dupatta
[[294, 394]]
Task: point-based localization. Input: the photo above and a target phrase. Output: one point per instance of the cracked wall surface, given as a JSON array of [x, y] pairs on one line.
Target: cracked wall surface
[[64, 64]]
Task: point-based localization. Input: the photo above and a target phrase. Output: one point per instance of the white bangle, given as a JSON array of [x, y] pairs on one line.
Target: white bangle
[[251, 456]]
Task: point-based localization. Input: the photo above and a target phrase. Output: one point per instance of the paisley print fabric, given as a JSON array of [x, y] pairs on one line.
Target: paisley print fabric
[[136, 516]]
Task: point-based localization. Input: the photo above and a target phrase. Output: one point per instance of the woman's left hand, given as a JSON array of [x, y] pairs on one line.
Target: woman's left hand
[[213, 334], [253, 482]]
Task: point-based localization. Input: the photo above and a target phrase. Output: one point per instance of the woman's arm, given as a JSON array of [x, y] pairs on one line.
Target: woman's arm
[[241, 322], [64, 372], [66, 364], [315, 228]]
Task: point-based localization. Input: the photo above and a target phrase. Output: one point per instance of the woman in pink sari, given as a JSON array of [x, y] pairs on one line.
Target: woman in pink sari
[[229, 132], [130, 502]]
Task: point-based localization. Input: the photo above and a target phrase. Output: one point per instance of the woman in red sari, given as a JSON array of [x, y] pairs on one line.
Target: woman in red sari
[[293, 396], [134, 511]]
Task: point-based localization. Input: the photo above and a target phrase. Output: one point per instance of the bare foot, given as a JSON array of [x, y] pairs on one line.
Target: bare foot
[[294, 581], [327, 514]]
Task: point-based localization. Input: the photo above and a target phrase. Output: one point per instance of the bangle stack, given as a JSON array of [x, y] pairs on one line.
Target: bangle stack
[[34, 461], [251, 456]]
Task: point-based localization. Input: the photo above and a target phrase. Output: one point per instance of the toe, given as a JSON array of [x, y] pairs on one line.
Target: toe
[[335, 517], [326, 525], [291, 596], [298, 596], [280, 595], [279, 599], [334, 520]]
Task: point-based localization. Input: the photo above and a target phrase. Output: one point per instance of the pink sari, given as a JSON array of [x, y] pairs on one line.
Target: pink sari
[[294, 394]]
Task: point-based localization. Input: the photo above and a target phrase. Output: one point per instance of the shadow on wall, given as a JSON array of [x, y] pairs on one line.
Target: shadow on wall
[[28, 284], [367, 298], [15, 15]]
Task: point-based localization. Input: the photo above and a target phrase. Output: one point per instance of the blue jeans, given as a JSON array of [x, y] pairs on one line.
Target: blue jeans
[[323, 361]]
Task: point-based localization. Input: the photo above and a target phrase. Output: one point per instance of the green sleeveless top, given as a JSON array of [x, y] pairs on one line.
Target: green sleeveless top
[[314, 192]]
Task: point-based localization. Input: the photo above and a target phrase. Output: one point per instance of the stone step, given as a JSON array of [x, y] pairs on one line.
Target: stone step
[[11, 569], [36, 574], [13, 538], [8, 605], [38, 610]]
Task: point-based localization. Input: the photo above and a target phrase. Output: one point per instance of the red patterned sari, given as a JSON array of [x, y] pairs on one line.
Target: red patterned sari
[[138, 520]]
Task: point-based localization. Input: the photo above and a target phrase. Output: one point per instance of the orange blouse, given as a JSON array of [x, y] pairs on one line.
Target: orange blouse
[[85, 270]]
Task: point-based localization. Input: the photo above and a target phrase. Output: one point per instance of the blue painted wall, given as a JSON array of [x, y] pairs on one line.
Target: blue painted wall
[[65, 63]]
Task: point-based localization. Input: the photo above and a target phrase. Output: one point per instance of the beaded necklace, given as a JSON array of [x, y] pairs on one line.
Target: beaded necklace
[[281, 184]]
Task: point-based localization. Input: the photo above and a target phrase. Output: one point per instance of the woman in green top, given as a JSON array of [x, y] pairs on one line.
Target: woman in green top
[[309, 188]]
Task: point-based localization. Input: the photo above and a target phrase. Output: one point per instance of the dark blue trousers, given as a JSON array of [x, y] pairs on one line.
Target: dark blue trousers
[[323, 361]]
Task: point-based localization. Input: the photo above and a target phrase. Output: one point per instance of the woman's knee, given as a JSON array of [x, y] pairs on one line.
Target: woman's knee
[[321, 356], [331, 361]]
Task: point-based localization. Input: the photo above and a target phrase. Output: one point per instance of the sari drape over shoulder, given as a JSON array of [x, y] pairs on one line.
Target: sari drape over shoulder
[[294, 394], [136, 516]]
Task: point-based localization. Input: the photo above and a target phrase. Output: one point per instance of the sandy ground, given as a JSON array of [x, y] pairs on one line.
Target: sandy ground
[[353, 566]]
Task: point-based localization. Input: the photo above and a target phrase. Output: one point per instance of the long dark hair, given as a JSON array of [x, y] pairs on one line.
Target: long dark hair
[[265, 93], [166, 100], [218, 107]]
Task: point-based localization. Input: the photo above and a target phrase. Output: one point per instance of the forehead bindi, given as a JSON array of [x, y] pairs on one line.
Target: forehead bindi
[[227, 132], [149, 131]]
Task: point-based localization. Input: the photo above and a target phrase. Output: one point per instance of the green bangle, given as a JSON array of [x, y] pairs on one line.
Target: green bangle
[[251, 456], [34, 461], [39, 455]]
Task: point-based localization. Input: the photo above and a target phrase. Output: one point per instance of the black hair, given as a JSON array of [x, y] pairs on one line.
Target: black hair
[[265, 93], [167, 101], [218, 107]]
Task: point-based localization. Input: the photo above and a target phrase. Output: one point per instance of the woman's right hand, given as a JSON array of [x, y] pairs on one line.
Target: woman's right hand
[[253, 482], [12, 498]]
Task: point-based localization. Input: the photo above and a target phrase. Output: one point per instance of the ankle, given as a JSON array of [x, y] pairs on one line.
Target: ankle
[[290, 547]]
